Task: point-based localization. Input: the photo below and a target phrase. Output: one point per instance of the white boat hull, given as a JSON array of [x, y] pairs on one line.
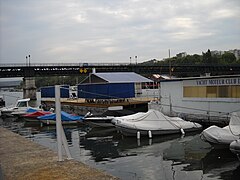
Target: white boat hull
[[99, 121], [133, 132]]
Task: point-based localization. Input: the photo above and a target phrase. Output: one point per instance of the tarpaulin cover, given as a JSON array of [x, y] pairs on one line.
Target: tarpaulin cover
[[37, 114], [64, 116], [153, 120], [234, 124], [225, 135], [31, 110]]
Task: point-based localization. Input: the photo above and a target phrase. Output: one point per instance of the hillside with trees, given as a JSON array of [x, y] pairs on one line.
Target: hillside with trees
[[205, 59]]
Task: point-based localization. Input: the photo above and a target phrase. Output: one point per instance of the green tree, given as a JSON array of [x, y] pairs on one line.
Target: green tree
[[228, 58], [207, 57]]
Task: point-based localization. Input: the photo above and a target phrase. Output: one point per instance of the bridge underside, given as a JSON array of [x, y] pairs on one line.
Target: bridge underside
[[178, 71]]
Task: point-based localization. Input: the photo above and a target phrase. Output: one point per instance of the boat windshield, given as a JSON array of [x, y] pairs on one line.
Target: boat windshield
[[22, 104]]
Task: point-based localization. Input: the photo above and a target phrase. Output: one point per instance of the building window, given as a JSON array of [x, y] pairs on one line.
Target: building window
[[235, 91], [211, 91]]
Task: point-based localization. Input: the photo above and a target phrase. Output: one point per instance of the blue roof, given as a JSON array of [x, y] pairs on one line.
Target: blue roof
[[122, 77]]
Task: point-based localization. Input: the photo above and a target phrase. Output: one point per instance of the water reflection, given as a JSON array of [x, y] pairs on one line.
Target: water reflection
[[164, 157]]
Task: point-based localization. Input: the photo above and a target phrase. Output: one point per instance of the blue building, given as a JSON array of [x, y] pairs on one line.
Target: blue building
[[111, 85]]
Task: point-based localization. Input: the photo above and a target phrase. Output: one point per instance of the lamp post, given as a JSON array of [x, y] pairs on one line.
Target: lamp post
[[29, 59], [170, 68], [26, 60], [130, 60], [136, 59]]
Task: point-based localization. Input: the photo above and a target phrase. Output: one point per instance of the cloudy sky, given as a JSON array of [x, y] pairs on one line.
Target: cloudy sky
[[73, 31]]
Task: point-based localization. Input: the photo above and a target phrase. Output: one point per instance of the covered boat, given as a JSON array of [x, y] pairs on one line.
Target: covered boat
[[225, 135], [32, 117], [50, 119], [153, 121]]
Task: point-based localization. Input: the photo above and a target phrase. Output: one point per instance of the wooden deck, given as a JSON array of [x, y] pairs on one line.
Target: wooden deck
[[99, 103]]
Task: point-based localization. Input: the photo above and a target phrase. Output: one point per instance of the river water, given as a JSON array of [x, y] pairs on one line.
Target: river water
[[161, 158]]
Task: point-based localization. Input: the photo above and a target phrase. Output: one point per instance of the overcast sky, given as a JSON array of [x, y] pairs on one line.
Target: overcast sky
[[74, 31]]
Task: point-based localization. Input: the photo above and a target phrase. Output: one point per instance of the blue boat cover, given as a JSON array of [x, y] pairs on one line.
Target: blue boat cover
[[31, 110], [65, 117]]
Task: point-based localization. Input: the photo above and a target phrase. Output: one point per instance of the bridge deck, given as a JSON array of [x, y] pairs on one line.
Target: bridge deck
[[78, 69]]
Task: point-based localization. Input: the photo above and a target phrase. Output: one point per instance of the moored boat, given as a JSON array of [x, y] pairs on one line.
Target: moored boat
[[50, 119], [225, 135], [21, 106], [32, 117], [153, 122], [105, 119]]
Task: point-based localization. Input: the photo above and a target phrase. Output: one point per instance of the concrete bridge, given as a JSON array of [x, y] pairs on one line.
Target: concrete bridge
[[29, 71]]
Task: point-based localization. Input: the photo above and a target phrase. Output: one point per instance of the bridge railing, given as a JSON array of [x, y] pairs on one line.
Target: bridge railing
[[62, 64]]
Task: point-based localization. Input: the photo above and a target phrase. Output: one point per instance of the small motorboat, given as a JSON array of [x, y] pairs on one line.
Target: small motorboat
[[151, 123], [21, 106], [50, 119], [105, 119], [32, 117], [217, 135], [21, 113], [225, 135]]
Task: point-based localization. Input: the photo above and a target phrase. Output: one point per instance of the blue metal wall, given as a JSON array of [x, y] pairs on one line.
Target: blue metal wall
[[106, 91], [49, 92]]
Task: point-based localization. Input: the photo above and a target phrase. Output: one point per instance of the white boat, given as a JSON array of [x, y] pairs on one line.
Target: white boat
[[99, 121], [21, 107], [153, 122], [225, 135], [105, 119]]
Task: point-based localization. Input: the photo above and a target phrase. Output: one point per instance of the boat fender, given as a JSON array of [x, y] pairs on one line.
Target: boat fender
[[182, 131], [138, 135], [150, 134]]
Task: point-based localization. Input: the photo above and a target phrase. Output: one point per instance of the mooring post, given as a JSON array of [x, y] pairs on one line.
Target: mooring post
[[58, 121], [61, 137]]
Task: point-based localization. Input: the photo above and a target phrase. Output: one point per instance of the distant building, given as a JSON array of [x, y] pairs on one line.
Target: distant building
[[182, 54], [236, 52], [216, 52]]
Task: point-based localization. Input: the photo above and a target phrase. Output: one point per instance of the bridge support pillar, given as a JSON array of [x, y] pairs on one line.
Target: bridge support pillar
[[29, 88]]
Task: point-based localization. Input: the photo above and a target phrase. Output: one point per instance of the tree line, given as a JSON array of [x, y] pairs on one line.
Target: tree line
[[205, 59]]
